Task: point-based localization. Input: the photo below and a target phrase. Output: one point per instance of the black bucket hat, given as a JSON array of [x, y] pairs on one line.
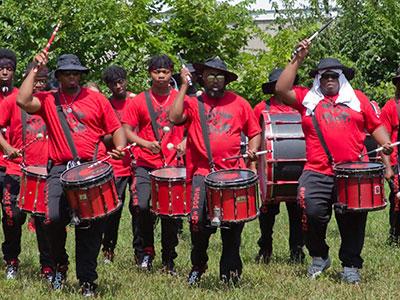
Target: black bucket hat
[[70, 62], [268, 87], [217, 64], [332, 63], [177, 76], [396, 78]]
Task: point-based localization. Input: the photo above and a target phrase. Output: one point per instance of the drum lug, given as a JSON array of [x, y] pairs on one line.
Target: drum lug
[[216, 222], [75, 219]]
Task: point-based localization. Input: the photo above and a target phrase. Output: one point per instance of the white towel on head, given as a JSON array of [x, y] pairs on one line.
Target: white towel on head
[[346, 93]]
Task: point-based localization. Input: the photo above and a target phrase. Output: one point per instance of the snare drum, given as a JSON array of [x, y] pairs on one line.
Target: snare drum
[[232, 196], [280, 169], [91, 191], [31, 192], [359, 186], [170, 195]]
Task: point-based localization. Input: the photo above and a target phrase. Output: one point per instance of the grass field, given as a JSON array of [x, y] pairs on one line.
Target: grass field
[[278, 280]]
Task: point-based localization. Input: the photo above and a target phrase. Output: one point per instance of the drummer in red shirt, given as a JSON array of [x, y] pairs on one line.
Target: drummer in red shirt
[[270, 210], [153, 154], [115, 78], [34, 155], [89, 115], [341, 114], [390, 118], [227, 116]]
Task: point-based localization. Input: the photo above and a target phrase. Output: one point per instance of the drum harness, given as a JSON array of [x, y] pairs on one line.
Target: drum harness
[[76, 159]]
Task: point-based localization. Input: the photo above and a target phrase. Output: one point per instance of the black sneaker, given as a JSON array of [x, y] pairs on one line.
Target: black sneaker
[[195, 275], [59, 278], [263, 257], [297, 256], [87, 289], [47, 274], [233, 276], [108, 257], [12, 269], [393, 240], [169, 269], [146, 263]]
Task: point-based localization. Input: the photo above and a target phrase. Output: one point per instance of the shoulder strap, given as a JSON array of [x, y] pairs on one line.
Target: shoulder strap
[[321, 137], [23, 118], [205, 130], [152, 114], [65, 127], [268, 104]]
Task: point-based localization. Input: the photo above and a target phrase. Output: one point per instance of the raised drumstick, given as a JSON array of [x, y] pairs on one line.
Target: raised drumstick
[[246, 155]]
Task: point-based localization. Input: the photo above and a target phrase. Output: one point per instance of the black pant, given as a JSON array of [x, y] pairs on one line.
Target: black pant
[[267, 216], [230, 261], [110, 236], [394, 211], [88, 235], [12, 221], [316, 196], [145, 220]]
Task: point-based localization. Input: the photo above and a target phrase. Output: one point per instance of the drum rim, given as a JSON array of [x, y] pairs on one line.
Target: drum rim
[[245, 183], [29, 173], [79, 183], [378, 167], [168, 179]]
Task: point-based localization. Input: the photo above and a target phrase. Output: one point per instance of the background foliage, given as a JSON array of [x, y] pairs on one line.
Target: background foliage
[[364, 36]]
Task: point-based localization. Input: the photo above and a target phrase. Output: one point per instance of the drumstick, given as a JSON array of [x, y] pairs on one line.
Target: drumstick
[[189, 80], [38, 137], [165, 130], [313, 36], [246, 155], [109, 156], [35, 70], [378, 149], [171, 146]]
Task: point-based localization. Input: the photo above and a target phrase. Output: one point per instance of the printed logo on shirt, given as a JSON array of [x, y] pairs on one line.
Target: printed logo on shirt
[[162, 119], [74, 123], [218, 122], [335, 114], [34, 126]]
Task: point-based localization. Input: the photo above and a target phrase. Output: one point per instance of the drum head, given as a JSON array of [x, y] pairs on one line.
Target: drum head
[[36, 171], [169, 173], [231, 177], [358, 166], [82, 172]]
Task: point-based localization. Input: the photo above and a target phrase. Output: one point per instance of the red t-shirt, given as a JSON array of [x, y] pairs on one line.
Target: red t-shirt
[[342, 128], [121, 166], [137, 115], [227, 117], [4, 161], [92, 117], [390, 119], [273, 107], [37, 152]]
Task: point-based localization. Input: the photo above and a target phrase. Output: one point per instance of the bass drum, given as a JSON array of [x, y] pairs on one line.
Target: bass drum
[[280, 169]]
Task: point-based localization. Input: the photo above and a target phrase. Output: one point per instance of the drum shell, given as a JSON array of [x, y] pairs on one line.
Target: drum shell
[[359, 186], [280, 170], [31, 197], [235, 201], [170, 196], [91, 198]]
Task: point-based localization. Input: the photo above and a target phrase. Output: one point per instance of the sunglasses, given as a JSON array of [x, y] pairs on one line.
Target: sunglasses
[[211, 77], [69, 73], [330, 75], [41, 81]]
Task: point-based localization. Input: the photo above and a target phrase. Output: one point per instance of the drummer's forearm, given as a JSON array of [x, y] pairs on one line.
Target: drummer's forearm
[[255, 142], [119, 138], [132, 137]]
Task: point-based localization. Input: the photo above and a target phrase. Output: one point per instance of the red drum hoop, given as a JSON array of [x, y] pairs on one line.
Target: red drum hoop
[[280, 170], [232, 196], [170, 193], [359, 186], [91, 192], [31, 193]]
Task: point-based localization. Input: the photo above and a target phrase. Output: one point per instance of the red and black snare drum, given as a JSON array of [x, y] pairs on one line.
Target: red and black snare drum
[[359, 186], [170, 195], [91, 191], [232, 196], [280, 169], [31, 192]]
